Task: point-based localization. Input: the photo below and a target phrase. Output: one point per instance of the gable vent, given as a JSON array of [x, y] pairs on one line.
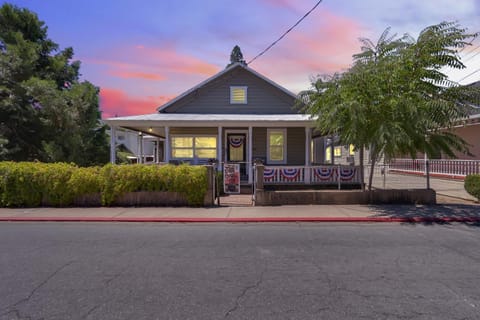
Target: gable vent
[[238, 95]]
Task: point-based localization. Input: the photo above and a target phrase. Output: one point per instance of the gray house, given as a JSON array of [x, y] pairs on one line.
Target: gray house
[[236, 116]]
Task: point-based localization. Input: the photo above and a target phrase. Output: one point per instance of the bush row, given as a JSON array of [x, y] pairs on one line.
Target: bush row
[[472, 185], [32, 184]]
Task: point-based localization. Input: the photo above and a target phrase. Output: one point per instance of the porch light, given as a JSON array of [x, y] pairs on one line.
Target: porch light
[[150, 129]]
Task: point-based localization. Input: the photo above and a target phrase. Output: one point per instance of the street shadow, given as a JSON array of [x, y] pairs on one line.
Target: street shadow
[[431, 214]]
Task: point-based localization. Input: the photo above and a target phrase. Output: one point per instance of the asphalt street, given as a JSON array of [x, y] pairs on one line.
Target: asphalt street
[[239, 271]]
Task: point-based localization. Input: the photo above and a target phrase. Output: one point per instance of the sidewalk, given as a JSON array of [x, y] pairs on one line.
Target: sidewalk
[[443, 213]]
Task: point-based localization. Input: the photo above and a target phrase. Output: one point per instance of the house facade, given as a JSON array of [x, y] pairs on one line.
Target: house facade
[[236, 116]]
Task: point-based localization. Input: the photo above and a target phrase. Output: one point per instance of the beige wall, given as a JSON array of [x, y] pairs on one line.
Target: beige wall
[[471, 134]]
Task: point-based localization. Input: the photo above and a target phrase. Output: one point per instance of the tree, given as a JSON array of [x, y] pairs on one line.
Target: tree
[[396, 98], [46, 113], [236, 56]]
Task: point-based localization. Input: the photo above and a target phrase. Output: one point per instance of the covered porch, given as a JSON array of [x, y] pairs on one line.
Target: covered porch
[[274, 140]]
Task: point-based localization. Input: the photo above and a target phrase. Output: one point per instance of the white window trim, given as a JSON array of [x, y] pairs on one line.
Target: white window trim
[[193, 136], [284, 130], [238, 87]]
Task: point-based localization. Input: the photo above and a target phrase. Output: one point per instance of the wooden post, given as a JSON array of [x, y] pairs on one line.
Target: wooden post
[[166, 147]]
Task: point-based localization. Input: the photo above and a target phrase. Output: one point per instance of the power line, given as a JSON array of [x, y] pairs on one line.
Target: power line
[[285, 33], [471, 57], [468, 75]]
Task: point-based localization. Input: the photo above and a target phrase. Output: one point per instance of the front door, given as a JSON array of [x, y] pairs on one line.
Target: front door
[[237, 152]]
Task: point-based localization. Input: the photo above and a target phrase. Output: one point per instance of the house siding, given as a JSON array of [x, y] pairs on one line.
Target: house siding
[[259, 149], [214, 97], [296, 146]]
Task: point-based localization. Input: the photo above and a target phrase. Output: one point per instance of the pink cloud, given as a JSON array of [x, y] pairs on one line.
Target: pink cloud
[[323, 45], [169, 59], [136, 75], [115, 102]]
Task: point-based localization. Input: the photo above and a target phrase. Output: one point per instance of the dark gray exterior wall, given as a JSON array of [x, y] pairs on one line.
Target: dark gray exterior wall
[[214, 97], [296, 146], [295, 141]]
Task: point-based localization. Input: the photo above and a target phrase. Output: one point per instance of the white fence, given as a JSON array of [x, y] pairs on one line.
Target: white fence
[[447, 168], [311, 174]]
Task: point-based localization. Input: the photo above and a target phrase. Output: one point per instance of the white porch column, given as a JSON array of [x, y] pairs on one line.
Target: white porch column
[[249, 155], [140, 147], [166, 145], [113, 142], [308, 152], [219, 149], [157, 152]]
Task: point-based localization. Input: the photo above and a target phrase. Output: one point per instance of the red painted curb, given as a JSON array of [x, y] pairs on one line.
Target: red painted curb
[[243, 220]]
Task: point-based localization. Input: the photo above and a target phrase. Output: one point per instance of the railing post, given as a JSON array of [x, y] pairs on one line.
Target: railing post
[[306, 175], [339, 177], [427, 166]]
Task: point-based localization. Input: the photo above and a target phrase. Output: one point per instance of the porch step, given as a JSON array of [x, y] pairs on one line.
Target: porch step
[[236, 200]]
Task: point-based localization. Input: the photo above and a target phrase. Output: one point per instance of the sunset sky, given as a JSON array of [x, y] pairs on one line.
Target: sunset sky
[[143, 53]]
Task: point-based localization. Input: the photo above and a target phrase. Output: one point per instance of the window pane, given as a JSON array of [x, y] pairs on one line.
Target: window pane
[[276, 153], [328, 154], [182, 153], [206, 153], [337, 152], [276, 138], [205, 142], [182, 142], [352, 150]]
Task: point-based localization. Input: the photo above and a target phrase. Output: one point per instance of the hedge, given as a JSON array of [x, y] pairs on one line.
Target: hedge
[[472, 185], [32, 184]]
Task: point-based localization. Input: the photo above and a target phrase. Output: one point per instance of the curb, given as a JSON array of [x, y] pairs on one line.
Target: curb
[[246, 220]]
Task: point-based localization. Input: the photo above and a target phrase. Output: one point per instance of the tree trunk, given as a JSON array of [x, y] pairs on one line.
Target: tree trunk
[[362, 168], [370, 178]]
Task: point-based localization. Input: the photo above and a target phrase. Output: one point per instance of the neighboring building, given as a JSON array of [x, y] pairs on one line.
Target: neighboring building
[[237, 116], [469, 130]]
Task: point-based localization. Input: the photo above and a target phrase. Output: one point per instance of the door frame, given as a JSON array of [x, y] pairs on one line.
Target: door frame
[[247, 148]]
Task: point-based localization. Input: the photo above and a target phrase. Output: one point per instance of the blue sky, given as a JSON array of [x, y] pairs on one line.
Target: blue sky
[[142, 53]]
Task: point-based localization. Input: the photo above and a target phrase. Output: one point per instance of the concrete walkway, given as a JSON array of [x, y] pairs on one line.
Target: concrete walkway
[[314, 213]]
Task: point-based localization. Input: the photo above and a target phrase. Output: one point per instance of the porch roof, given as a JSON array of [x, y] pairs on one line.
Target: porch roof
[[212, 120]]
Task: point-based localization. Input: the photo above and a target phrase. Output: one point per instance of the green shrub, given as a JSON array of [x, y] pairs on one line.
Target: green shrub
[[472, 185], [53, 179], [19, 185], [32, 184], [188, 180], [85, 181]]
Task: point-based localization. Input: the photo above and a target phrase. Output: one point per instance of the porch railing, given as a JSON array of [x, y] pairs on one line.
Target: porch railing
[[449, 168], [311, 174]]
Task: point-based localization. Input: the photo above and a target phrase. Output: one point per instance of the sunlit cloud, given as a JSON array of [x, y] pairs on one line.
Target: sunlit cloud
[[324, 46], [170, 59], [115, 102], [136, 75]]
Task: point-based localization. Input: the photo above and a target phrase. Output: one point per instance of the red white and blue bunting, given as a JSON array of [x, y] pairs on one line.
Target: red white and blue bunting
[[290, 174], [325, 173], [347, 174], [236, 142], [269, 174]]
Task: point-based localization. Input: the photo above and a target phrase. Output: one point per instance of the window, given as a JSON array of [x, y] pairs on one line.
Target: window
[[205, 147], [238, 95], [352, 150], [337, 151], [189, 147], [276, 144], [328, 155]]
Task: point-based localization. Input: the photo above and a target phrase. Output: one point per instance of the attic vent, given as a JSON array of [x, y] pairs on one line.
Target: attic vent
[[238, 95]]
